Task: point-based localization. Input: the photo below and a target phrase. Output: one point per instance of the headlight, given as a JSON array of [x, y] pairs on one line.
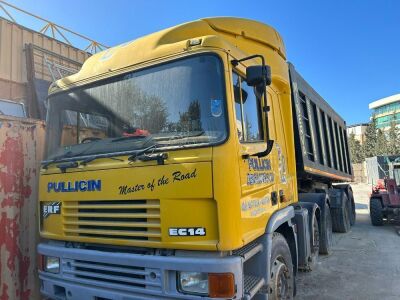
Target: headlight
[[193, 282], [51, 264]]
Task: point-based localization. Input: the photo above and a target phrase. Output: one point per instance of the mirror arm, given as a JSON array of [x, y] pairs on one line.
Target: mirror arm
[[235, 62], [270, 143]]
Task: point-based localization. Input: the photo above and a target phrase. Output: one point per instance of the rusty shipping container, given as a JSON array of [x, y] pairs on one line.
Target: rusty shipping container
[[21, 149], [23, 54]]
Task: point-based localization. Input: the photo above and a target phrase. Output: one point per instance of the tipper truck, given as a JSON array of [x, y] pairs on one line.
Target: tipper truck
[[192, 163]]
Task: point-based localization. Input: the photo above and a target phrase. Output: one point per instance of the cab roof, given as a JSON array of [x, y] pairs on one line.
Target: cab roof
[[174, 40]]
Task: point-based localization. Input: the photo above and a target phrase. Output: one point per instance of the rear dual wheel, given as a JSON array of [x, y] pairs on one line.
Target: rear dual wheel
[[315, 243], [325, 233], [352, 207], [341, 216]]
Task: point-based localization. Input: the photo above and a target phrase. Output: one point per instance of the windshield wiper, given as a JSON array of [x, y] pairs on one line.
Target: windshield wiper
[[92, 158], [57, 158], [159, 157], [123, 138], [63, 167], [112, 155], [141, 155]]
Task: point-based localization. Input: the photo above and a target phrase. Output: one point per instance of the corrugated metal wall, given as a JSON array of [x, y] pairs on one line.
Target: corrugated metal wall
[[21, 149], [13, 70], [378, 167]]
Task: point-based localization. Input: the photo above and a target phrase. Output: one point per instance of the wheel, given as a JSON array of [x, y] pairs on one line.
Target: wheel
[[281, 277], [353, 207], [315, 243], [349, 192], [325, 233], [375, 211], [341, 216]]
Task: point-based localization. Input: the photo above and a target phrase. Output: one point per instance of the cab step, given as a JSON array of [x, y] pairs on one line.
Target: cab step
[[252, 284], [249, 250]]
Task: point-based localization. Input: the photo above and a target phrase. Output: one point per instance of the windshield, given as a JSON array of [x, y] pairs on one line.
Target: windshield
[[181, 103]]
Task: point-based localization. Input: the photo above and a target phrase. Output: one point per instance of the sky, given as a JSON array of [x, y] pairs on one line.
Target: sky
[[349, 51]]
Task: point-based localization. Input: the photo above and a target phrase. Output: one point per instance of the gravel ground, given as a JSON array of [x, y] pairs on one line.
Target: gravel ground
[[364, 264]]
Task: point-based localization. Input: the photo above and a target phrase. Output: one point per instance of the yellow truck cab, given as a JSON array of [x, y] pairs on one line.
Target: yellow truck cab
[[170, 170]]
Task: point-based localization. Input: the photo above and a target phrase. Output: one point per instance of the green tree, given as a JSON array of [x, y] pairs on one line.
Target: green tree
[[190, 120], [381, 146], [143, 110], [393, 140], [369, 147], [356, 151]]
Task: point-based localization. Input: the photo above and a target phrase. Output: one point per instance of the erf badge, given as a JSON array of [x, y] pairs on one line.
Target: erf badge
[[53, 208]]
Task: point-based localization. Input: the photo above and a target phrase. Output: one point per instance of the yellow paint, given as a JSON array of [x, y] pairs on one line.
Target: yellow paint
[[219, 198]]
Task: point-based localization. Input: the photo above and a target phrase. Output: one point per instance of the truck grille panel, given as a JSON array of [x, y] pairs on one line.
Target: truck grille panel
[[113, 274], [113, 219]]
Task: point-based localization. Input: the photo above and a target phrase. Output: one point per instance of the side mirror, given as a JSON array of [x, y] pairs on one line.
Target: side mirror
[[258, 75]]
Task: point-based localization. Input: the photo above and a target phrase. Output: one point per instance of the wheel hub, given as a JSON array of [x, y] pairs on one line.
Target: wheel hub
[[280, 281]]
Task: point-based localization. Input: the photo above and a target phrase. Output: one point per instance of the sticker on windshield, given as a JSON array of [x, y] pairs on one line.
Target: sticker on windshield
[[216, 108]]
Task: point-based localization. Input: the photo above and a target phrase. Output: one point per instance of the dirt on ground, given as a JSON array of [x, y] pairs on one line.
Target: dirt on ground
[[364, 264]]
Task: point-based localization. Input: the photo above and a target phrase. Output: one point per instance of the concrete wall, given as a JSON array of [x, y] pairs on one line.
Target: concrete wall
[[21, 149], [360, 173]]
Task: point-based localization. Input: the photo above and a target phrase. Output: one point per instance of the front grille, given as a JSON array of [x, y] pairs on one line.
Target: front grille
[[108, 274], [133, 220]]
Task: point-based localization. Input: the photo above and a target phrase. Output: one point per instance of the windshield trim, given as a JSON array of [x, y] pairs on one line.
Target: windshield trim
[[168, 148]]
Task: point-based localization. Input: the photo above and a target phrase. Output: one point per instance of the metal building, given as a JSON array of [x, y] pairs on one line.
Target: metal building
[[26, 60]]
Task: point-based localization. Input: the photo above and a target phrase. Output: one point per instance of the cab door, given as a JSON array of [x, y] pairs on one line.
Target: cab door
[[258, 175]]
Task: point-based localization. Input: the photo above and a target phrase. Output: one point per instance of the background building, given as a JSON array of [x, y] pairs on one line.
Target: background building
[[358, 130], [385, 111]]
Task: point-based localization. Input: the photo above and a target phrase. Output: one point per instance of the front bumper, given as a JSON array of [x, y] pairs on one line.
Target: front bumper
[[93, 275]]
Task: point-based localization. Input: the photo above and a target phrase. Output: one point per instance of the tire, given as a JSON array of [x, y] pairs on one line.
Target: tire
[[375, 211], [282, 282], [325, 232], [349, 192], [353, 207], [341, 215], [315, 244]]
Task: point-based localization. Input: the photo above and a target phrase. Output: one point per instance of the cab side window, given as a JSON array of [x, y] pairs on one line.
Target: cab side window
[[247, 110]]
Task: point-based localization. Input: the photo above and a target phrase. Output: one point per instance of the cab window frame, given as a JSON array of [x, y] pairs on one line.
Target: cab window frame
[[260, 113]]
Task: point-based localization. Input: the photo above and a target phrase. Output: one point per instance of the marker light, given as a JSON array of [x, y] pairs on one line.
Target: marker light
[[194, 42], [221, 285]]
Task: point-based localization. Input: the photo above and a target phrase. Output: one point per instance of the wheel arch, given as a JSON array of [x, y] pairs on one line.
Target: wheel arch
[[281, 222]]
